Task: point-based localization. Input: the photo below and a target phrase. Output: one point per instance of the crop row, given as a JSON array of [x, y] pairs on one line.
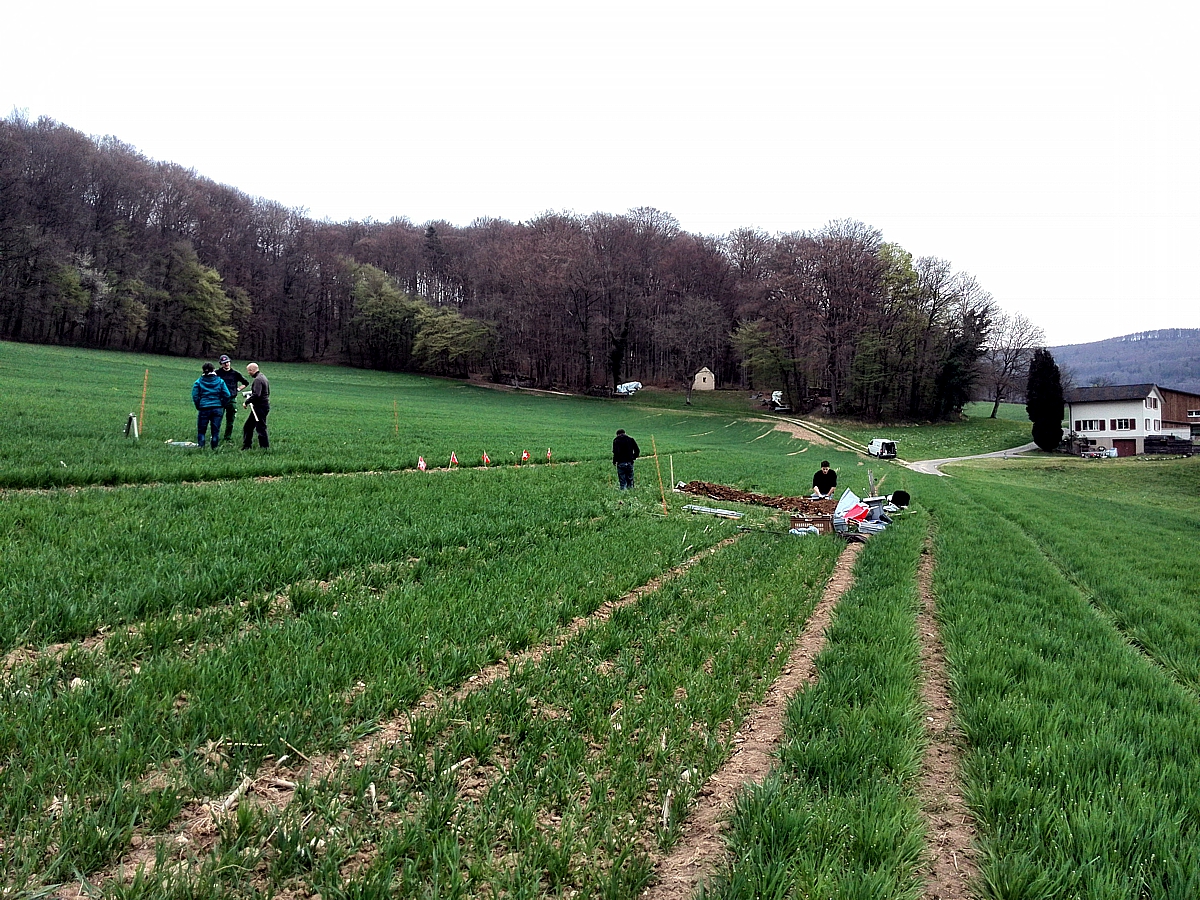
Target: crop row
[[1152, 595], [76, 562], [422, 601], [556, 775], [1083, 753]]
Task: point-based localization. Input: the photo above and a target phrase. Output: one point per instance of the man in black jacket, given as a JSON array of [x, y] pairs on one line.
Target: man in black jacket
[[824, 481], [625, 451], [232, 378]]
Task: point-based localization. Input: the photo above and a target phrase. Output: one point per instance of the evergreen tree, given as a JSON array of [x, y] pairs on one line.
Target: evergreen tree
[[1044, 399]]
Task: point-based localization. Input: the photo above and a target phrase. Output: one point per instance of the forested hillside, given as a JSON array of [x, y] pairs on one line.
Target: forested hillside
[[100, 246], [1169, 357]]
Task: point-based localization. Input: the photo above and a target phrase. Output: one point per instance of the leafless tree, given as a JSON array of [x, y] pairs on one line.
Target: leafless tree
[[1006, 357]]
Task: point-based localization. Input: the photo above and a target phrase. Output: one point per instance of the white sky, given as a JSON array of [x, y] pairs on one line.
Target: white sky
[[1052, 149]]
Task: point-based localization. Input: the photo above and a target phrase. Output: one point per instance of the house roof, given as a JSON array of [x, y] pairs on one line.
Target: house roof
[[1109, 392]]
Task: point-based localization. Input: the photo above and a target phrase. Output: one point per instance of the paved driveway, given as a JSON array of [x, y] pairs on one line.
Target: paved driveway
[[931, 466]]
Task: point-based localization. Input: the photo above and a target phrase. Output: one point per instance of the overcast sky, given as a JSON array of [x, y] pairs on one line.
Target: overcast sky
[[1050, 149]]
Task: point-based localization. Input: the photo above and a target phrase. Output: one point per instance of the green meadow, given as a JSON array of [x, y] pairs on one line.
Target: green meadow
[[173, 621]]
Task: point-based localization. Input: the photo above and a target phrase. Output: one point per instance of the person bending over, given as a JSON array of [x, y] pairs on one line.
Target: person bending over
[[824, 481]]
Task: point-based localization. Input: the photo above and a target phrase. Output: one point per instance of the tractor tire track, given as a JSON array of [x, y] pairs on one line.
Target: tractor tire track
[[950, 866], [701, 846]]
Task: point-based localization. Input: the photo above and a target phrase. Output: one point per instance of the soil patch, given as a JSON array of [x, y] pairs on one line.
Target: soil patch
[[950, 866], [798, 431], [735, 495], [701, 845]]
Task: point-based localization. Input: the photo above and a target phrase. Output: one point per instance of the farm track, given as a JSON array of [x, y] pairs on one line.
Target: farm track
[[950, 831], [195, 832], [701, 847]]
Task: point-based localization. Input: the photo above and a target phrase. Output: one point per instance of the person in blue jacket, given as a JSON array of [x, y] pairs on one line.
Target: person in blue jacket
[[210, 395]]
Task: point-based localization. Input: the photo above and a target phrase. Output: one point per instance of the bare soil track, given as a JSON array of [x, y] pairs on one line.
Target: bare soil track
[[701, 846], [951, 860]]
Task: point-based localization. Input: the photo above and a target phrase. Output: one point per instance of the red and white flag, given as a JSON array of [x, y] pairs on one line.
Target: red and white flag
[[524, 456], [453, 459], [547, 454], [421, 463], [486, 460]]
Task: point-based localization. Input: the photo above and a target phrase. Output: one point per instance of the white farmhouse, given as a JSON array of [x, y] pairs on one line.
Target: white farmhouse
[[1120, 416]]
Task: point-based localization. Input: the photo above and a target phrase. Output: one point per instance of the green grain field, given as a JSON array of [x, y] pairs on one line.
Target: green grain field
[[318, 620]]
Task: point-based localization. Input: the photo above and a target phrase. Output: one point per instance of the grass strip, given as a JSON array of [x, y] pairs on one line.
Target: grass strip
[[77, 734], [1153, 596], [1083, 756]]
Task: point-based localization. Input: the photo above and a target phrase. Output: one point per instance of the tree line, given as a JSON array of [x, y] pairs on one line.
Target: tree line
[[100, 246]]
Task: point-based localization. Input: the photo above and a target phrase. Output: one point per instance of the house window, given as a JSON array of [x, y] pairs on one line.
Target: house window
[[1089, 425], [1151, 403], [1194, 413], [1124, 424], [1147, 424], [1157, 425]]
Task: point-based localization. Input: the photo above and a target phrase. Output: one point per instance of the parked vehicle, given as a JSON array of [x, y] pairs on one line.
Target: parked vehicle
[[882, 448], [777, 404]]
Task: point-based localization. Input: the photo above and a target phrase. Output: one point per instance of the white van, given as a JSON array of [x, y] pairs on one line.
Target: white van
[[881, 448]]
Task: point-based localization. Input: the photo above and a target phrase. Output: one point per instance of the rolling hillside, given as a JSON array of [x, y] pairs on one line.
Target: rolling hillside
[[1168, 357]]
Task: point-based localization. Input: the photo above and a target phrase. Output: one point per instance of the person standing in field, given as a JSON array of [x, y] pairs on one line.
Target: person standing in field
[[259, 404], [824, 481], [209, 395], [625, 451], [232, 378]]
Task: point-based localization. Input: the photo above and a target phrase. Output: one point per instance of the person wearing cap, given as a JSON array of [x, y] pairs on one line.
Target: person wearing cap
[[232, 378], [824, 481], [209, 395]]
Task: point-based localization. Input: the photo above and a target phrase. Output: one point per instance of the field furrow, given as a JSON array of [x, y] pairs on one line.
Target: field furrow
[[950, 872], [841, 816], [700, 849]]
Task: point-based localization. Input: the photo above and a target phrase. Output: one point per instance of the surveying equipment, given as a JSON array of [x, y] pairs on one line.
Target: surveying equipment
[[247, 403]]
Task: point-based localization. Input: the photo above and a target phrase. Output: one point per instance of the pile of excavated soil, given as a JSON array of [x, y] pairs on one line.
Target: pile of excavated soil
[[733, 495]]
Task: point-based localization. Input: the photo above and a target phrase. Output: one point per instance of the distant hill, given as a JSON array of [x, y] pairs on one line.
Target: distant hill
[[1169, 357]]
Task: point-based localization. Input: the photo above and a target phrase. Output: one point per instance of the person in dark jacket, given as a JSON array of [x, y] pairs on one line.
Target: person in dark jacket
[[625, 451], [259, 404], [232, 378], [824, 481], [209, 395]]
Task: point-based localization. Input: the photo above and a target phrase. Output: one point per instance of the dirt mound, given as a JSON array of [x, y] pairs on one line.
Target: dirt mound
[[734, 495]]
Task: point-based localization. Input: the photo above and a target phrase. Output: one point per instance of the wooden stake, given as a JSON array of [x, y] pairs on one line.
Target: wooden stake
[[659, 468], [142, 414]]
